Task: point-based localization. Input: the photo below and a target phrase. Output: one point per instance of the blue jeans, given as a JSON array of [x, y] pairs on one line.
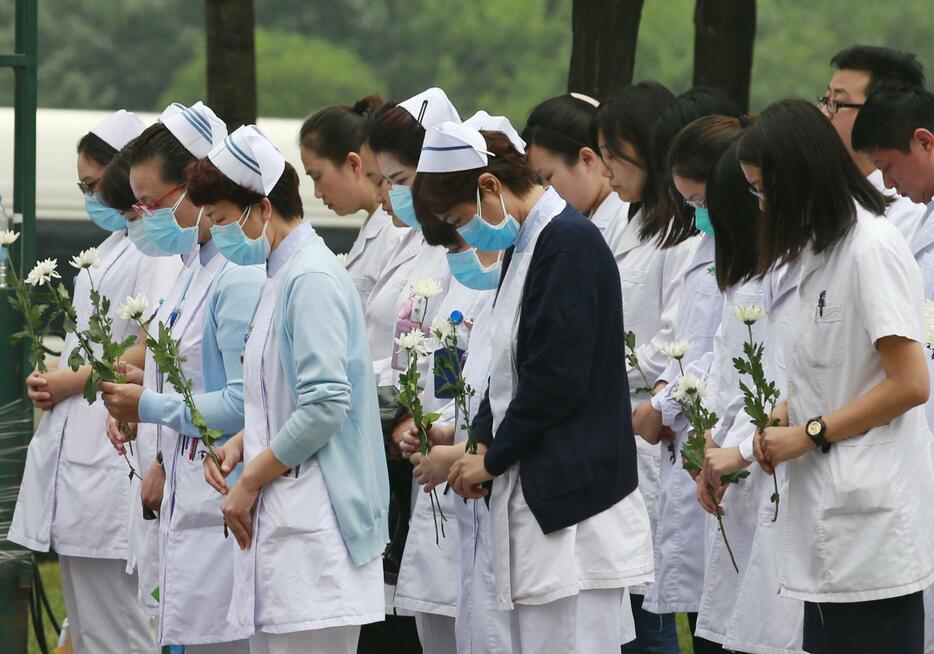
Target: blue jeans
[[655, 634]]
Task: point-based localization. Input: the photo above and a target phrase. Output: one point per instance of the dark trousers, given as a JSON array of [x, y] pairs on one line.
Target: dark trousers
[[702, 645], [655, 634], [893, 625]]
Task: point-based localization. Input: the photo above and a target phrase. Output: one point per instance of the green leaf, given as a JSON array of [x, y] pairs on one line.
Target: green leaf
[[90, 387], [75, 360]]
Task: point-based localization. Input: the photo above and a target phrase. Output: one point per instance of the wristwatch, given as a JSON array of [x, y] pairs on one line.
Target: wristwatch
[[816, 429]]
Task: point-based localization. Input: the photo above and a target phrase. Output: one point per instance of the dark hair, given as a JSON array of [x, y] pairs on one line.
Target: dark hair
[[884, 65], [628, 115], [440, 233], [696, 149], [676, 219], [336, 131], [96, 149], [393, 129], [207, 185], [114, 187], [809, 180], [890, 117], [561, 125], [734, 214], [157, 143], [436, 193]]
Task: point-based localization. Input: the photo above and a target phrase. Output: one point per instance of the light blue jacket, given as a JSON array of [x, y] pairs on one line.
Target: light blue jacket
[[325, 354], [232, 298]]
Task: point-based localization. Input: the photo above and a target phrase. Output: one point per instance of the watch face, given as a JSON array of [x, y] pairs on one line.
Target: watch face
[[813, 428]]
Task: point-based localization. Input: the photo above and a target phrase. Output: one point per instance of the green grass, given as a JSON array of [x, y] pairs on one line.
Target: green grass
[[53, 590]]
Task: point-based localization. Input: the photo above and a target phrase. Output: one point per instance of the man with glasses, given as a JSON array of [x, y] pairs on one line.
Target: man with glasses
[[860, 70]]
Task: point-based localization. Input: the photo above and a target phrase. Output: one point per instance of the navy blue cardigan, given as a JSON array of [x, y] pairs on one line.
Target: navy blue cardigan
[[569, 424]]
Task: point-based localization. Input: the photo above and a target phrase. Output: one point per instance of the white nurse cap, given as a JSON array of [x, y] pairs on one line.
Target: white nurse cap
[[119, 128], [452, 147], [437, 108], [484, 121], [196, 127], [248, 158]]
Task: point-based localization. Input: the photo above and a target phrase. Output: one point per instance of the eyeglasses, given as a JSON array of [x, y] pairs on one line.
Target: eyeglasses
[[146, 208], [756, 192], [88, 188], [833, 106]]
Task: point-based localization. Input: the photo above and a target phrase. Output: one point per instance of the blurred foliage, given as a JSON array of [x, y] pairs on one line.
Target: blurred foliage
[[502, 56]]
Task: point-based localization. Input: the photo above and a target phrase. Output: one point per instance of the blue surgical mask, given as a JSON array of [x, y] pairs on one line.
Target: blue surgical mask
[[702, 220], [137, 234], [236, 246], [400, 197], [469, 271], [163, 229], [103, 216], [489, 238]]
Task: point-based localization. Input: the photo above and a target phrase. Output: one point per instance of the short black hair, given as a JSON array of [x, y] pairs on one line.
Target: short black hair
[[884, 65], [628, 115], [157, 143], [889, 118], [677, 218], [440, 233], [561, 125], [96, 149], [810, 182], [114, 187]]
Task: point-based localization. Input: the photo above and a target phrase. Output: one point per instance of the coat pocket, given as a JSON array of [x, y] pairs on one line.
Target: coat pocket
[[823, 345], [197, 504]]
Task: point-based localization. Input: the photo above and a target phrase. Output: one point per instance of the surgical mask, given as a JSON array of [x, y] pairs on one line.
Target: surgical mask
[[163, 229], [469, 271], [103, 216], [236, 246], [137, 235], [702, 220], [489, 238], [400, 197]]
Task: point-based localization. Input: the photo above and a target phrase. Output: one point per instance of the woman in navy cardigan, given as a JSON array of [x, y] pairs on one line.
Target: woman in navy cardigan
[[570, 529]]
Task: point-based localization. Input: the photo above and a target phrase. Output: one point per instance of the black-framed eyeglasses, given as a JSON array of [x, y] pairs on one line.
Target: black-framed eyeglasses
[[833, 106], [88, 188]]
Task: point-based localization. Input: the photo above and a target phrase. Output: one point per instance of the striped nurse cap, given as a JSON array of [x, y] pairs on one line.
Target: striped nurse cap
[[196, 127]]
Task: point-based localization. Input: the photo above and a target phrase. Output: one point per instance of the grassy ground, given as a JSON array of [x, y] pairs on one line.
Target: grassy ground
[[53, 589]]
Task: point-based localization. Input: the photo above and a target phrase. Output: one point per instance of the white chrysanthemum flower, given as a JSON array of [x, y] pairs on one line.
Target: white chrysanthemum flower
[[443, 329], [677, 349], [342, 257], [750, 314], [690, 386], [87, 259], [134, 307], [426, 288], [414, 342], [8, 237], [929, 323], [44, 272]]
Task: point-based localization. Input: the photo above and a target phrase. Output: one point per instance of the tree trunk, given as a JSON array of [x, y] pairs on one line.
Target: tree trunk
[[231, 61], [724, 32], [603, 49]]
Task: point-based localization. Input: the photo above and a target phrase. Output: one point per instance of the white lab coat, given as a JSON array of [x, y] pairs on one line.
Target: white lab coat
[[73, 479], [297, 574], [372, 250], [858, 524], [906, 215], [651, 280], [195, 558], [612, 549], [144, 538], [760, 621], [430, 571], [381, 309], [679, 535]]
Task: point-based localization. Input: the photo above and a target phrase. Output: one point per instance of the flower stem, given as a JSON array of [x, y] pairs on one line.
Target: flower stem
[[726, 541]]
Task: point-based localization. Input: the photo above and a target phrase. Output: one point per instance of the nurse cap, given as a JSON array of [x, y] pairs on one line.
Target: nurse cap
[[248, 158], [119, 128], [452, 147], [438, 108], [196, 127], [484, 121]]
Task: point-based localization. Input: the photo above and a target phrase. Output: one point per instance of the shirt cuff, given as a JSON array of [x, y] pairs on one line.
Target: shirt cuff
[[152, 407], [746, 449]]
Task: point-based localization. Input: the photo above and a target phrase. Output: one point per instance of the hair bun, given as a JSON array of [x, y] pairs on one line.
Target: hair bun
[[369, 104]]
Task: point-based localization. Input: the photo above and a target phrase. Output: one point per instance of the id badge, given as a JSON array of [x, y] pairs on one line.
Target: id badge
[[400, 358]]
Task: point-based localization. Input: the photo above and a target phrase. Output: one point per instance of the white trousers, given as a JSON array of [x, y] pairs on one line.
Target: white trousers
[[587, 623], [436, 633], [105, 614], [333, 640]]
